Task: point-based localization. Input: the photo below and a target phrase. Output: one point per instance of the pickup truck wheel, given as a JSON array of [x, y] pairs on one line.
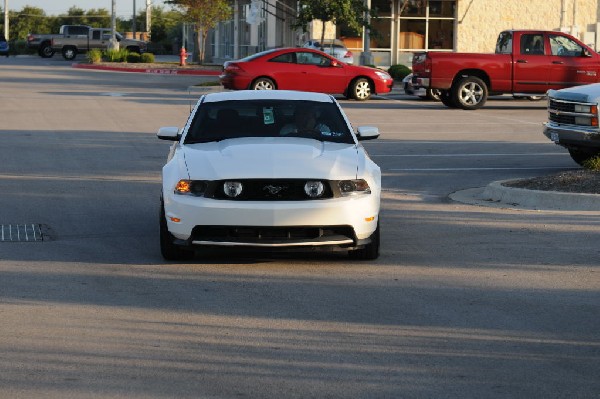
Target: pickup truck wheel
[[447, 99], [360, 89], [46, 51], [433, 94], [470, 93], [580, 156], [69, 53]]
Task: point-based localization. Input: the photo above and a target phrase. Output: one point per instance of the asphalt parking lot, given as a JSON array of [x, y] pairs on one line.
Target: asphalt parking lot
[[466, 301]]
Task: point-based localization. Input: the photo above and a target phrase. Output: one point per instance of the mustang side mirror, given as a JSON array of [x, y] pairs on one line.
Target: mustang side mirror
[[168, 133], [367, 133]]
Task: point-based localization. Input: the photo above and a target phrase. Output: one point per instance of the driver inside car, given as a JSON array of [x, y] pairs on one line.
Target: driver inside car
[[305, 120]]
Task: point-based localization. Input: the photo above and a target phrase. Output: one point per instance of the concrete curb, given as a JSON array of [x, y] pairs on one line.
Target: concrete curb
[[158, 71], [499, 196]]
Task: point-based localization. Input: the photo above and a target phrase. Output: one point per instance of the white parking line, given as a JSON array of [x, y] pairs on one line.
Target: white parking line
[[474, 169], [467, 155], [462, 143]]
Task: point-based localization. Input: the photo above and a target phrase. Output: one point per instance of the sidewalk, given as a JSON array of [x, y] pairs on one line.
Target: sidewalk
[[163, 65], [499, 196]]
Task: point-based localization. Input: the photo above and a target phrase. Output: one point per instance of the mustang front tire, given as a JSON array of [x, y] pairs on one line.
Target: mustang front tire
[[370, 251], [168, 249]]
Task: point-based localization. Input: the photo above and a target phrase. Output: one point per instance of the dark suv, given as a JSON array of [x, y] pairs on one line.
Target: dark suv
[[3, 45]]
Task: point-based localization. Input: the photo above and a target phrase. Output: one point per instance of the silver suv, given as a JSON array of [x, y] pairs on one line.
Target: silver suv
[[335, 48]]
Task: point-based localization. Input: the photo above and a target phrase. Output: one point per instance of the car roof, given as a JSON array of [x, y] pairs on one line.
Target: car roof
[[267, 95]]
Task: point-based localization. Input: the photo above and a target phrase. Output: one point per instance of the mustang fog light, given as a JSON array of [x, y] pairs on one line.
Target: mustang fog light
[[232, 188], [314, 189], [354, 187]]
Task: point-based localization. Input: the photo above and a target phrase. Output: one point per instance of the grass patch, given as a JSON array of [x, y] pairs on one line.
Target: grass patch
[[592, 163], [210, 83]]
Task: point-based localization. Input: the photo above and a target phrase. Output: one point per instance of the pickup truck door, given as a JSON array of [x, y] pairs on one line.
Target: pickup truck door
[[531, 64], [572, 64], [99, 39]]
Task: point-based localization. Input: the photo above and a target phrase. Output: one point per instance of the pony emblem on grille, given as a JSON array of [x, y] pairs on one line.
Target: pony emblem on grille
[[274, 189]]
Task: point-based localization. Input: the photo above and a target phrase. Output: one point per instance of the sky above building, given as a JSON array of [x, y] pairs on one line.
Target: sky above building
[[56, 7]]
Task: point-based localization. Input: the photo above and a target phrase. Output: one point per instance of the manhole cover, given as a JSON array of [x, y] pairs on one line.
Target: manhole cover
[[21, 232]]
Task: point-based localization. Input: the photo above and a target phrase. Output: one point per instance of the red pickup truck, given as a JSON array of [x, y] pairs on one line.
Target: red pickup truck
[[526, 62]]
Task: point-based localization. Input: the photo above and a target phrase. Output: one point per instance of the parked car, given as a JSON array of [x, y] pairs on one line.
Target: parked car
[[525, 63], [412, 88], [335, 48], [573, 120], [304, 69], [4, 47], [238, 176]]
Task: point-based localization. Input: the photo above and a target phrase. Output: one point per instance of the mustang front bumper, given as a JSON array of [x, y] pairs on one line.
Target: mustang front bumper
[[348, 221]]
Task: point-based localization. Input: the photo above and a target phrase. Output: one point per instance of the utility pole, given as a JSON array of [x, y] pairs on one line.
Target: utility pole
[[366, 58], [148, 18], [113, 40], [6, 19], [133, 22]]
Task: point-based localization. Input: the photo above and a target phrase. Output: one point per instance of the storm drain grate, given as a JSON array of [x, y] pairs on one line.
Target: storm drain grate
[[20, 232]]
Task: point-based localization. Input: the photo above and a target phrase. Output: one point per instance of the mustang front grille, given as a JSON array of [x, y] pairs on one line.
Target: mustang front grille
[[268, 190]]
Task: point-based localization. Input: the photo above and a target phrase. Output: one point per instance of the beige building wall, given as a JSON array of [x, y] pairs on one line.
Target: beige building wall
[[480, 21]]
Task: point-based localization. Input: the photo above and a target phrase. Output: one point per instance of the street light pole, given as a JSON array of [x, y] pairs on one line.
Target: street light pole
[[6, 19], [133, 23], [113, 40], [148, 18]]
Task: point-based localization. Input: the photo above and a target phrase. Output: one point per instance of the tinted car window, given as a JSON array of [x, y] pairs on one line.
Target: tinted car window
[[305, 57], [565, 47], [264, 118], [504, 43], [286, 58]]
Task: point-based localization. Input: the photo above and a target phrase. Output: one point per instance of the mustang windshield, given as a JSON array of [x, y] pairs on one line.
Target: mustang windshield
[[215, 121]]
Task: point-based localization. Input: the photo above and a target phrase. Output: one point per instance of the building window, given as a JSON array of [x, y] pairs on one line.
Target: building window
[[426, 25]]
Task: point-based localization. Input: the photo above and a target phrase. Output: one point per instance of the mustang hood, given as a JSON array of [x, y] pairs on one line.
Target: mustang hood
[[269, 158]]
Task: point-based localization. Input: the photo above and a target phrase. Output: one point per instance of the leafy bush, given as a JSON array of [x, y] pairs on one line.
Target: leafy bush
[[94, 56], [399, 71], [147, 58], [133, 58], [112, 55], [592, 163]]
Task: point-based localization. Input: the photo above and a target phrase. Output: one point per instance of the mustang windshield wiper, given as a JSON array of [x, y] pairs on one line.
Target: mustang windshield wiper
[[205, 140]]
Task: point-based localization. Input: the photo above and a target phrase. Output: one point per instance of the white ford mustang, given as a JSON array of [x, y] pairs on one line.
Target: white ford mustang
[[269, 169]]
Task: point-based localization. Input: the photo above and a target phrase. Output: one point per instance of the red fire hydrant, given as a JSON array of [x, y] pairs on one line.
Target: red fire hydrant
[[182, 56]]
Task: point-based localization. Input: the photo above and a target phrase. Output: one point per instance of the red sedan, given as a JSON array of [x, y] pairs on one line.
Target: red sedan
[[304, 69]]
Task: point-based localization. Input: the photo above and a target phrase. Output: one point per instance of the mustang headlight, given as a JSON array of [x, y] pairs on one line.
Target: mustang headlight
[[354, 187], [314, 189], [190, 187], [232, 188]]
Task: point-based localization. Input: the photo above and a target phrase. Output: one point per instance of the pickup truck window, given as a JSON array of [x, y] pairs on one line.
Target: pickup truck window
[[532, 44], [565, 47], [504, 43]]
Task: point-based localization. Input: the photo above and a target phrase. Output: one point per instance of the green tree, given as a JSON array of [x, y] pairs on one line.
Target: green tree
[[166, 26], [28, 20], [352, 13], [205, 14]]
